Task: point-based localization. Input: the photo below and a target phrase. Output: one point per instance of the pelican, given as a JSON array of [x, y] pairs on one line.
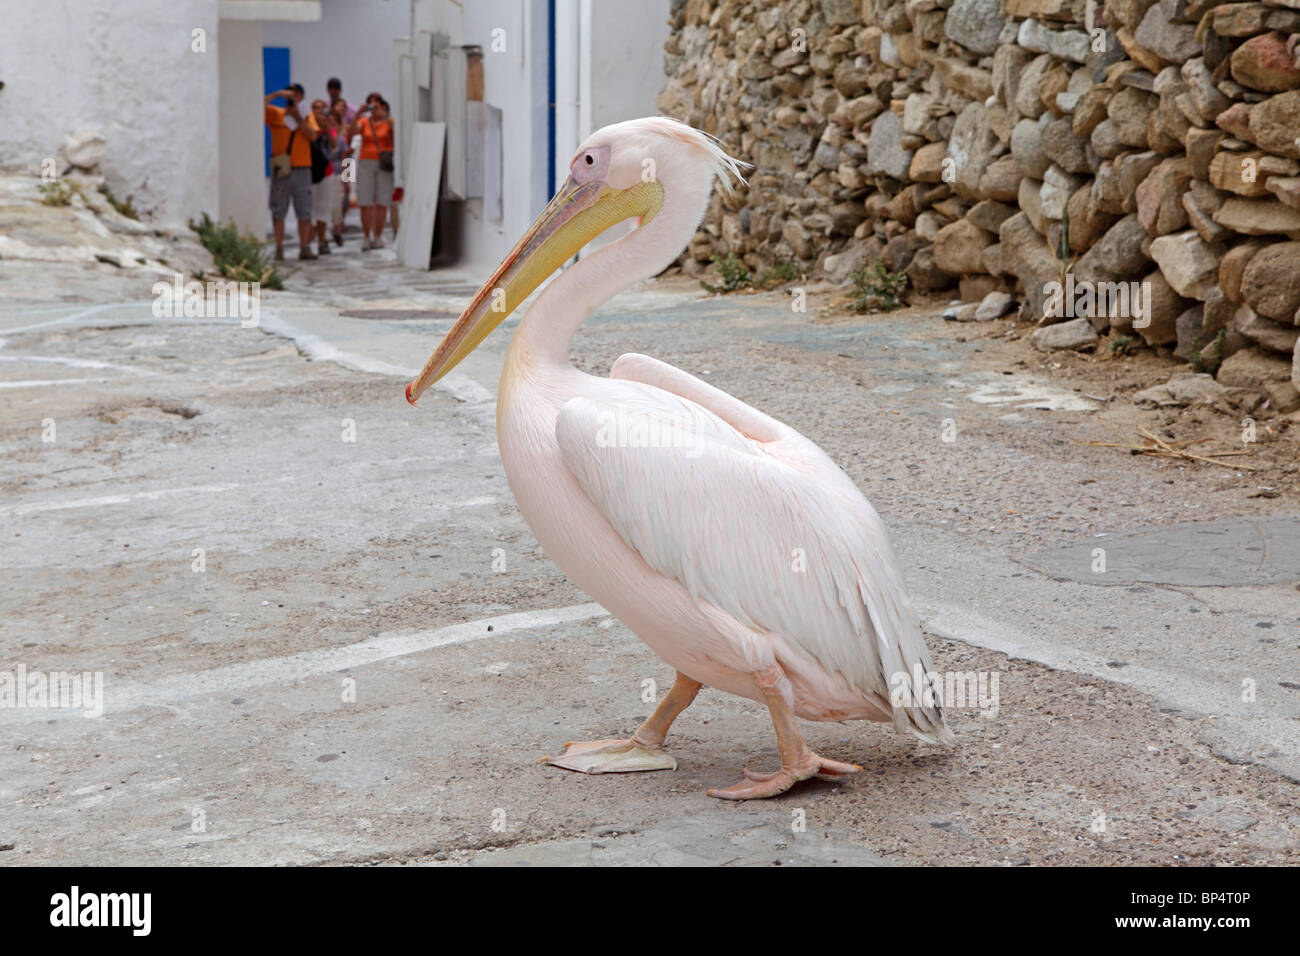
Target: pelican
[[725, 540]]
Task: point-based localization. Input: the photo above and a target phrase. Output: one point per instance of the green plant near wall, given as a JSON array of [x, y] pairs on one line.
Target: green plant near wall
[[57, 193], [238, 255], [733, 273], [875, 288]]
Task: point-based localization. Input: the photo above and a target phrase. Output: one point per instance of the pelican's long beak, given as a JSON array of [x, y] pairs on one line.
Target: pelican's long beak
[[577, 214]]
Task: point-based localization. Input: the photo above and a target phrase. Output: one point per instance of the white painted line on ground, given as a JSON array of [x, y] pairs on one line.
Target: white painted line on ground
[[319, 349], [73, 362], [102, 500], [296, 667], [67, 318], [43, 382]]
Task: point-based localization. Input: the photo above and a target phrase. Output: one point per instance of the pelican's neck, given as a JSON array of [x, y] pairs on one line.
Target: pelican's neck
[[547, 328]]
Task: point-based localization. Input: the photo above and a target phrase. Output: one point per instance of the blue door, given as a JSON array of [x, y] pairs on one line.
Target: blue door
[[275, 76]]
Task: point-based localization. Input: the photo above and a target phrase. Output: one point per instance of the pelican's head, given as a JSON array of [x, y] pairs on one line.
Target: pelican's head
[[626, 171]]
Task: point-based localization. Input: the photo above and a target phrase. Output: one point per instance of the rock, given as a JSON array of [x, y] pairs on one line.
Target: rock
[[1188, 327], [1117, 255], [858, 111], [1063, 147], [1160, 197], [1253, 368], [990, 215], [851, 80], [1266, 333], [1286, 189], [971, 82], [924, 275], [1066, 44], [1264, 63], [1202, 201], [927, 163], [975, 24], [84, 149], [1031, 203], [1172, 42], [1205, 96], [958, 248], [1105, 140], [1026, 101], [1187, 262], [1295, 366], [971, 148], [796, 237], [1088, 222], [1240, 19], [840, 266], [1128, 110], [1258, 217], [961, 313], [1089, 111], [1027, 148], [1238, 173], [974, 288], [994, 306], [1001, 181], [1160, 308], [1058, 187], [1236, 120], [1185, 388], [1009, 63], [1270, 283], [1202, 146], [1274, 124], [1074, 334], [885, 153], [1233, 267], [1025, 255]]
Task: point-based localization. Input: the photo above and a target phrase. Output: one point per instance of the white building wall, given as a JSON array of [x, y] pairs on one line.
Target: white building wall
[[513, 80], [353, 40], [242, 176], [125, 69]]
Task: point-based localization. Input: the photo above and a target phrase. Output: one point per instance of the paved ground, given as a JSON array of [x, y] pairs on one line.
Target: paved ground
[[326, 634]]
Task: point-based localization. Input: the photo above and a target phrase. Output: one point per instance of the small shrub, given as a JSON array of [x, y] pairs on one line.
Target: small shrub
[[877, 289], [123, 208], [57, 193], [1211, 364], [786, 271], [238, 255], [733, 272], [1121, 345]]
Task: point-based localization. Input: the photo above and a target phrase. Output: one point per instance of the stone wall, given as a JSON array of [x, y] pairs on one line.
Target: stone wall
[[958, 139]]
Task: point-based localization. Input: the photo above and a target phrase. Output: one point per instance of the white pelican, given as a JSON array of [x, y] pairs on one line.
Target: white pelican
[[724, 539]]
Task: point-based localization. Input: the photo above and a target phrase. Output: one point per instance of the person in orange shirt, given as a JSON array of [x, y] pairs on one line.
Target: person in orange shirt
[[374, 168], [291, 138]]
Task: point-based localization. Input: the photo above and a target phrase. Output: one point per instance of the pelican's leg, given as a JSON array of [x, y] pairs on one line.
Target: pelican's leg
[[798, 762], [644, 750]]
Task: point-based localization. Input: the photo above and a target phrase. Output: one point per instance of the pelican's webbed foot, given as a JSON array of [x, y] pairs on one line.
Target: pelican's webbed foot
[[612, 756]]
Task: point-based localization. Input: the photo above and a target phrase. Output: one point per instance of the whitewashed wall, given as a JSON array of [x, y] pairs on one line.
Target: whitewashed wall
[[609, 67], [125, 69], [353, 40]]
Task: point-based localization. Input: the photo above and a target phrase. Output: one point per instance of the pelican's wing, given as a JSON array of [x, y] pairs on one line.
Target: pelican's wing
[[753, 518]]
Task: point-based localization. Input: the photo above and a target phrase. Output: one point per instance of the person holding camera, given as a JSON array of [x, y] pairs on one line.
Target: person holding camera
[[374, 168], [291, 137]]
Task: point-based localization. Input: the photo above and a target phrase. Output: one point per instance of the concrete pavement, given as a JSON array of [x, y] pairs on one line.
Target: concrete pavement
[[287, 579]]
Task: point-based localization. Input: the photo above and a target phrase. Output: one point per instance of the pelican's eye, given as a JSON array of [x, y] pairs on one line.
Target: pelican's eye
[[591, 165]]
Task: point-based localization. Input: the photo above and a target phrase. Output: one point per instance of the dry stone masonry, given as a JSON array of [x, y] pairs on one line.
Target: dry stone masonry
[[1068, 151]]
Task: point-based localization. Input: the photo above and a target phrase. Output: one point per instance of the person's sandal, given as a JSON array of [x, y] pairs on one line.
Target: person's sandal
[[279, 255], [324, 248], [306, 254]]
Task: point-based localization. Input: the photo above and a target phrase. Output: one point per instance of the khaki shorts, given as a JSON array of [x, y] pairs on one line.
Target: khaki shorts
[[295, 186], [374, 186]]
